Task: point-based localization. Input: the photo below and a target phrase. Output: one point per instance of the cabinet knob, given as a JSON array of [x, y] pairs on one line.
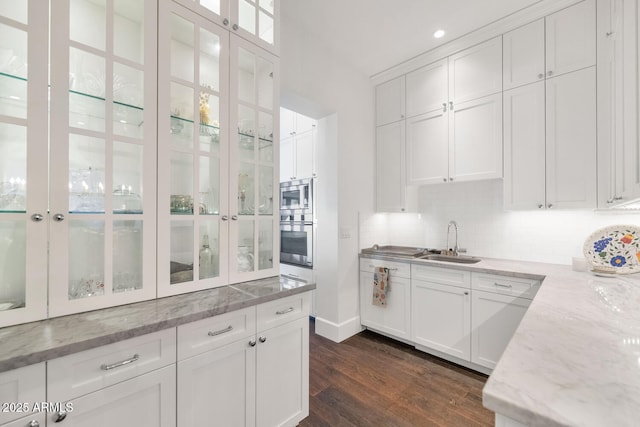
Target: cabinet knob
[[540, 76], [262, 339], [450, 105], [549, 73], [466, 292], [450, 178], [58, 217], [60, 416], [225, 21], [444, 179], [224, 218], [33, 423], [235, 27], [550, 205], [610, 201], [617, 198], [540, 206], [252, 343], [444, 107], [37, 217], [234, 217]]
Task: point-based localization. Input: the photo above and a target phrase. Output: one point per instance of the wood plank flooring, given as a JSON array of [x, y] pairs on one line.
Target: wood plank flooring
[[371, 380]]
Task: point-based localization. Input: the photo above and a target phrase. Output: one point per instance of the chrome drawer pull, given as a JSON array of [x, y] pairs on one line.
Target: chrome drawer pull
[[288, 310], [502, 286], [221, 331], [106, 367]]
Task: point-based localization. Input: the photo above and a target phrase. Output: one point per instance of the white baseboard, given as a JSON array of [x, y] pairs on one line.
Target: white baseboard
[[338, 332]]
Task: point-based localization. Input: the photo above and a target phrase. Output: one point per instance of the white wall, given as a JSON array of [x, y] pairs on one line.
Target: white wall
[[316, 83], [485, 229]]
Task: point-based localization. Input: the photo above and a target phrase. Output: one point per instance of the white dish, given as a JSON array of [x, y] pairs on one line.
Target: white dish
[[615, 248]]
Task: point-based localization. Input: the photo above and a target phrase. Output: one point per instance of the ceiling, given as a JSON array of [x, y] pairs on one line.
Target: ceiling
[[375, 35]]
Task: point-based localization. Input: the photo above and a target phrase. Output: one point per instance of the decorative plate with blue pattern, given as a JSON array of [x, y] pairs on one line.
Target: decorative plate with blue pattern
[[615, 249]]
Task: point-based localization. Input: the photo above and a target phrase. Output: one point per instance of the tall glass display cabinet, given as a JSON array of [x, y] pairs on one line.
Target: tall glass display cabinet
[[77, 156], [216, 186], [23, 160]]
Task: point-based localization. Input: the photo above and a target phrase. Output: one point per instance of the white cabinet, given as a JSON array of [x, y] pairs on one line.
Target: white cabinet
[[619, 94], [454, 117], [394, 319], [390, 101], [441, 310], [20, 389], [148, 401], [282, 374], [571, 38], [550, 143], [571, 140], [116, 380], [74, 169], [249, 367], [392, 194], [550, 114], [218, 216], [256, 21], [297, 146], [33, 420], [499, 304]]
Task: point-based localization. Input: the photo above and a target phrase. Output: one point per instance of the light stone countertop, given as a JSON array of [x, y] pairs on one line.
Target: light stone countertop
[[575, 358], [35, 342]]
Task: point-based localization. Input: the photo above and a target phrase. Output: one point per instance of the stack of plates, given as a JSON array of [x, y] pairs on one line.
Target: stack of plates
[[614, 250]]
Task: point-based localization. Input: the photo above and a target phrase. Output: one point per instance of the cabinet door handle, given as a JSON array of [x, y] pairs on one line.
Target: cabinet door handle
[[224, 218], [450, 105], [58, 217], [466, 292], [37, 218], [221, 331], [444, 107], [288, 310], [60, 416], [252, 343], [235, 27], [500, 285], [234, 217], [225, 21], [541, 76], [262, 339], [549, 73], [106, 367]]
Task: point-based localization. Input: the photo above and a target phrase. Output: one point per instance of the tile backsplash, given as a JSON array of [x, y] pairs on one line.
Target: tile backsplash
[[485, 229]]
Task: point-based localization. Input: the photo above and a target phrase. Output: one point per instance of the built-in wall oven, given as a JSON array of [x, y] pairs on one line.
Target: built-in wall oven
[[297, 224]]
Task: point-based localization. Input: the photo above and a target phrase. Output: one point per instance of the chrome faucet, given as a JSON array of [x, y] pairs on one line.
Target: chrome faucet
[[454, 252]]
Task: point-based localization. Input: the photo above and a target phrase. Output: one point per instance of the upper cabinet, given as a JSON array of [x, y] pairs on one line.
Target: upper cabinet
[[560, 43], [217, 111], [77, 175], [390, 101], [254, 20], [550, 116], [454, 117], [619, 95], [297, 146]]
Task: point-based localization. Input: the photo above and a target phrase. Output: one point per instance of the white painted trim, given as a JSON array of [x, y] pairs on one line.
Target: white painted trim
[[494, 29], [456, 360], [338, 332]]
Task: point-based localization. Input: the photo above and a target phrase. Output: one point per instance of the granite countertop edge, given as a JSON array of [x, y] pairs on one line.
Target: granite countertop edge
[[39, 341]]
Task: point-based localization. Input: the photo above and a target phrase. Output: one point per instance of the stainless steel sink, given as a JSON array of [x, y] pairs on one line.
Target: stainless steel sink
[[460, 259]]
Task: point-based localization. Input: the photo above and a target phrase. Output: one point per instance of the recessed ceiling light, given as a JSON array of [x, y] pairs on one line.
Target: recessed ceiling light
[[438, 34]]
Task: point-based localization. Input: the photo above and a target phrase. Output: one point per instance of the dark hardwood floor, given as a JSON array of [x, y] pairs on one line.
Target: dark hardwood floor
[[370, 380]]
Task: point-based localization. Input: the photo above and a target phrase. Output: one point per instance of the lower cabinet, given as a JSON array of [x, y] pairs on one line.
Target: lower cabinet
[[494, 320], [147, 400], [441, 316], [395, 318], [260, 379], [19, 388]]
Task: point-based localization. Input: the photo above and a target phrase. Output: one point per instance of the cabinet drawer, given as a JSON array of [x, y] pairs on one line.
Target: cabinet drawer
[[23, 385], [400, 269], [87, 371], [283, 310], [513, 286], [207, 334], [444, 276]]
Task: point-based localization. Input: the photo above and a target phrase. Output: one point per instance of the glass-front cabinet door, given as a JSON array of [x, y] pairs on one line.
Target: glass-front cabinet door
[[193, 210], [255, 20], [23, 160], [103, 154], [254, 248]]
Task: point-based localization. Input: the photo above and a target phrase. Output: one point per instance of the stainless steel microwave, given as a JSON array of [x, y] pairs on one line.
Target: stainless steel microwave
[[296, 199]]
